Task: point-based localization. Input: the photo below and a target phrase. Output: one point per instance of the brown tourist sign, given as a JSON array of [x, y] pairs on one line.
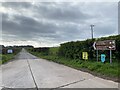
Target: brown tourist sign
[[104, 45]]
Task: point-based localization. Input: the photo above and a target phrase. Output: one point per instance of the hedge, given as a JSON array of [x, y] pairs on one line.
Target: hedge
[[74, 49]]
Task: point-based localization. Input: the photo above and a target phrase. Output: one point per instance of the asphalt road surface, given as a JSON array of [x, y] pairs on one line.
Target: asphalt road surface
[[28, 71]]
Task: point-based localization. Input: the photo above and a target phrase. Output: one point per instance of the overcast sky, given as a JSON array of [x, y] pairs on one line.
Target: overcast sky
[[51, 23]]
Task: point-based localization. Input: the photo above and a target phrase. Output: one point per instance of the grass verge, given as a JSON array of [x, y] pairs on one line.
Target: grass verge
[[104, 70], [6, 57]]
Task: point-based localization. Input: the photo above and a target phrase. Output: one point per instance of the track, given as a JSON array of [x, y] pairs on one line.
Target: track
[[28, 71]]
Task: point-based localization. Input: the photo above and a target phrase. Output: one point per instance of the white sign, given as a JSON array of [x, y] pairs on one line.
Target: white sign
[[9, 51]]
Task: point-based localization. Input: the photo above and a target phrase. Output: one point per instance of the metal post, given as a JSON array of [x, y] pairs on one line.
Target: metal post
[[97, 55], [110, 56]]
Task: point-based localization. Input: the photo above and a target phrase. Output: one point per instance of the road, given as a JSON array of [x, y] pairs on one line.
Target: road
[[28, 71]]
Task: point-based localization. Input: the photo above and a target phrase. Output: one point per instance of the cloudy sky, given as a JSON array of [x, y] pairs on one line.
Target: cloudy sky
[[51, 23]]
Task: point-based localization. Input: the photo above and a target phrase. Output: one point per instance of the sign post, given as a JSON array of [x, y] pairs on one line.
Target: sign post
[[110, 56], [105, 45], [97, 55]]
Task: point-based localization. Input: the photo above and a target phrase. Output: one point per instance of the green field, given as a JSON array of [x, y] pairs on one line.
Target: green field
[[97, 68]]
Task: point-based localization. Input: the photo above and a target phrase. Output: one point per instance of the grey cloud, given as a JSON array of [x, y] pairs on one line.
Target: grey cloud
[[41, 23], [15, 5], [61, 12], [105, 30], [25, 27]]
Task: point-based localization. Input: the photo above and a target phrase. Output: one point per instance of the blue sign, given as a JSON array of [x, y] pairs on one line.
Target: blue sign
[[9, 51], [103, 58]]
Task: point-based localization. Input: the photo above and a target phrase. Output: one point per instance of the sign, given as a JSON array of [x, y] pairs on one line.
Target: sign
[[105, 45], [103, 58], [85, 55], [9, 51]]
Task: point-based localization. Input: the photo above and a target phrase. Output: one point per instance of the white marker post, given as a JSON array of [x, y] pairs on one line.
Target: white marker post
[[111, 47]]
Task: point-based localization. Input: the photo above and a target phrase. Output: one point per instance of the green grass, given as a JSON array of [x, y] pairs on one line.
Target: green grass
[[6, 57], [105, 69]]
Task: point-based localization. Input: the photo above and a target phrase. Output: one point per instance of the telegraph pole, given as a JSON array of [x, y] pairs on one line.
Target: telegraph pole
[[92, 30], [92, 39]]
